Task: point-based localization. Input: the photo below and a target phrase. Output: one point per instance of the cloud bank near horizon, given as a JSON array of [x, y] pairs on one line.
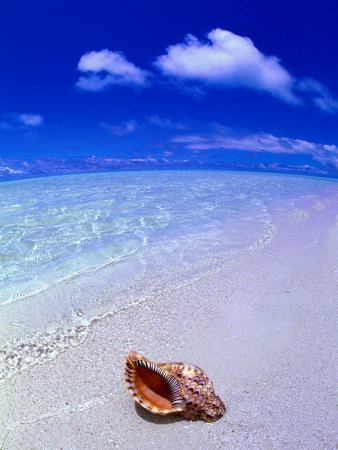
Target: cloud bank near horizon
[[225, 139], [218, 147], [11, 169]]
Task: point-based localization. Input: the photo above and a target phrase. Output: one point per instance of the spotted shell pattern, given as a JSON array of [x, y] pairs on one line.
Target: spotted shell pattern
[[191, 392]]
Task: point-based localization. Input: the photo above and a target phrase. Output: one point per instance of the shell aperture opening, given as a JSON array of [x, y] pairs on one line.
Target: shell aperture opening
[[153, 388]]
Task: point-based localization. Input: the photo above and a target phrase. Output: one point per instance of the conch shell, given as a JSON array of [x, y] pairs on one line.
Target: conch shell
[[172, 388]]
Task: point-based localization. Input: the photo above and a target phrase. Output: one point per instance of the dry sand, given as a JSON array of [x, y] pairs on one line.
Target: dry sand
[[262, 328]]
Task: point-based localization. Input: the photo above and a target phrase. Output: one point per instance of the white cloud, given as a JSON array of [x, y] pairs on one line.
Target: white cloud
[[159, 121], [146, 159], [224, 60], [31, 120], [226, 139], [120, 130], [304, 168], [321, 96], [227, 60], [163, 122], [23, 121], [231, 61], [5, 170], [105, 68]]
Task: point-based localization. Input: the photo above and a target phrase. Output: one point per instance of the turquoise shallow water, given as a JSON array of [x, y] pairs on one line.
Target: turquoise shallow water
[[75, 248], [53, 230], [53, 227]]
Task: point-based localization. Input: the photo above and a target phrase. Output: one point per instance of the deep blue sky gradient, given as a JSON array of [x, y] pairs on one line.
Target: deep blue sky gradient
[[42, 42]]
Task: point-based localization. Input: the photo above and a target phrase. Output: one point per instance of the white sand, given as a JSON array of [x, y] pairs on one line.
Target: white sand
[[263, 329]]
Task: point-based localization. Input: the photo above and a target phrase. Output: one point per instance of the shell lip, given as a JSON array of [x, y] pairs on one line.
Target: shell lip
[[134, 360]]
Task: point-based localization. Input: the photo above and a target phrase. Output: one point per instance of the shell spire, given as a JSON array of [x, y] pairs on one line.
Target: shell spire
[[166, 388]]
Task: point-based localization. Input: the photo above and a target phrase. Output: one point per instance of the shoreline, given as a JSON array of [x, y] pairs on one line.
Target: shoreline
[[262, 329]]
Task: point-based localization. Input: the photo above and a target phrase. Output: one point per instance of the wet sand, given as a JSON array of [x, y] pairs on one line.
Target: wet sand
[[262, 327]]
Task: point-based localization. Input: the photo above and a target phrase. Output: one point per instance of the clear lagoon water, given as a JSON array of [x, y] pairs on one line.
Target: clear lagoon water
[[71, 246], [53, 228]]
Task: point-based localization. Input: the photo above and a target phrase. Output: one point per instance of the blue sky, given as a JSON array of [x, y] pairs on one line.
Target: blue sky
[[115, 84]]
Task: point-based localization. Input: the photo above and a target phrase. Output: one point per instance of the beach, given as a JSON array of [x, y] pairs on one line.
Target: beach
[[168, 225], [260, 322]]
